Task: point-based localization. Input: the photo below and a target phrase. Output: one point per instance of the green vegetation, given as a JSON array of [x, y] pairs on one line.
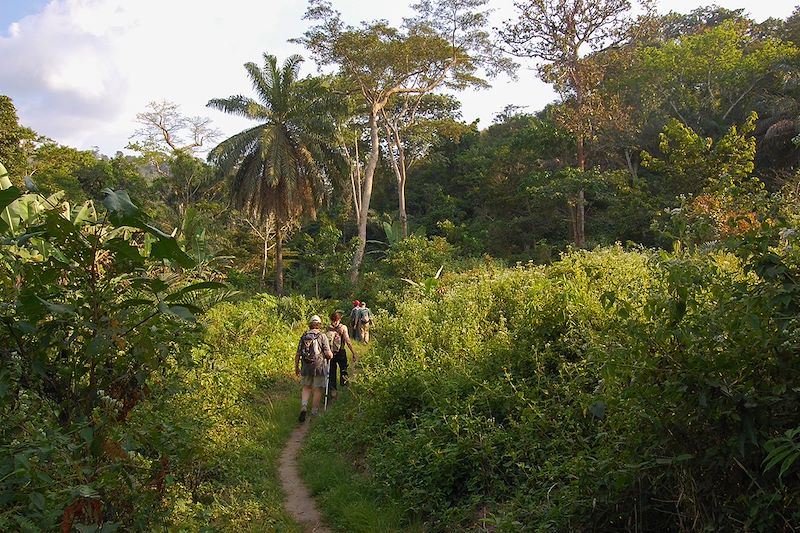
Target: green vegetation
[[586, 317], [613, 389], [347, 496]]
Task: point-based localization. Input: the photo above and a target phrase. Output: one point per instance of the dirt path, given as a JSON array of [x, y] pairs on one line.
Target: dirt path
[[298, 502]]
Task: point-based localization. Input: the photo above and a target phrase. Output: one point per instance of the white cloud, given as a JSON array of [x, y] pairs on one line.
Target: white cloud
[[80, 70]]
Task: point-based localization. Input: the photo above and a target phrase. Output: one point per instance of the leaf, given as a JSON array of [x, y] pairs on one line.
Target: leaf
[[788, 462], [178, 311], [87, 434], [598, 409], [122, 211], [86, 213], [133, 302], [672, 460], [123, 248], [85, 491], [195, 287], [154, 285], [57, 309], [9, 195], [37, 500], [167, 248]]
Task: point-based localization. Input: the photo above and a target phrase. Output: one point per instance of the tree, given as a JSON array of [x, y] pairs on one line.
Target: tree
[[166, 130], [380, 63], [277, 166], [12, 135], [412, 123], [562, 34], [708, 79]]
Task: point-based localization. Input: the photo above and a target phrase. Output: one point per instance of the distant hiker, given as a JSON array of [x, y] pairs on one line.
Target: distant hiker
[[355, 314], [310, 364], [364, 322], [338, 339]]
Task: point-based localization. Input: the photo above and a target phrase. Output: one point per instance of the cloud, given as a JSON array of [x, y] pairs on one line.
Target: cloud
[[80, 70]]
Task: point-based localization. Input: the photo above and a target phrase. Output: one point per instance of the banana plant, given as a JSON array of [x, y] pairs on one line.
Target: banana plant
[[429, 285]]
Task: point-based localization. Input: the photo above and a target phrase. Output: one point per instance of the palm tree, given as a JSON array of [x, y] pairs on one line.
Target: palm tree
[[276, 166]]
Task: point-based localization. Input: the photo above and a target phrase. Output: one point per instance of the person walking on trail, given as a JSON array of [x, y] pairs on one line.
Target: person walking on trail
[[355, 314], [310, 362], [339, 340], [364, 322]]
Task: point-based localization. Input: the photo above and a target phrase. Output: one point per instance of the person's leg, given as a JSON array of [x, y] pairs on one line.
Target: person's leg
[[365, 334], [343, 368], [315, 400], [304, 395], [332, 375]]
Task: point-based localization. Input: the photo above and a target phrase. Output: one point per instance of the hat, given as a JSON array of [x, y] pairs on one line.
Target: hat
[[315, 319], [356, 302]]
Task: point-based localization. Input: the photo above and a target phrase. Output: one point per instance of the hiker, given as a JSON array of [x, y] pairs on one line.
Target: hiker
[[338, 339], [355, 314], [364, 322], [312, 352]]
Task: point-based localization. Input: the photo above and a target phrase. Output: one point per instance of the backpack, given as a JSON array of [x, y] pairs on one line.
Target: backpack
[[310, 349], [366, 316], [334, 339], [355, 316]]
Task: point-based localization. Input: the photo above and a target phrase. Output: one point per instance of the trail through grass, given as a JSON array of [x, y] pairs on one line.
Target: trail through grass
[[248, 495]]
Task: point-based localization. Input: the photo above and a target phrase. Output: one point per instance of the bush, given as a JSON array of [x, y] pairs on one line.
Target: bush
[[613, 390]]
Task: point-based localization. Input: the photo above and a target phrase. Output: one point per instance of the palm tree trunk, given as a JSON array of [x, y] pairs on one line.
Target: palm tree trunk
[[278, 261], [263, 280], [369, 173]]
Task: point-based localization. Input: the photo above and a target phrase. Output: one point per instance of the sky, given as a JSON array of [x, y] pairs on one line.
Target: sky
[[78, 71]]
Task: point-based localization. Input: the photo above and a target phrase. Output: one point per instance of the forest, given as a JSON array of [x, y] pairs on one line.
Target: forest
[[587, 317]]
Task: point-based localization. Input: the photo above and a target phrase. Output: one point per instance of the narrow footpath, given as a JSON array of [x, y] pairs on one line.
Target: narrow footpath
[[299, 502]]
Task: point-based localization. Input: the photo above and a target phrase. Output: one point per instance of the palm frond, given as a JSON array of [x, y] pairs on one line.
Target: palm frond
[[234, 105]]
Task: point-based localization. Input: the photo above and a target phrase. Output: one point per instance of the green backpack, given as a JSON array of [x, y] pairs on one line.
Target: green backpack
[[334, 338]]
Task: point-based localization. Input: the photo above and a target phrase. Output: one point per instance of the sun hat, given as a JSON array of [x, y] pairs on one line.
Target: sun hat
[[315, 319], [356, 302]]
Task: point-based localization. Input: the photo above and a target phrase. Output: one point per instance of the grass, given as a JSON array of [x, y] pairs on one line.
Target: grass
[[346, 495], [248, 496]]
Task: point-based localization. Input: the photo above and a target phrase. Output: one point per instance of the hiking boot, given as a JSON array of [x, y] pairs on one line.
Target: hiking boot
[[303, 415], [315, 412]]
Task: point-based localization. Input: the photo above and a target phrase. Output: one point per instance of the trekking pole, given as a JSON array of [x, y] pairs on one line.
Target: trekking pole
[[327, 381]]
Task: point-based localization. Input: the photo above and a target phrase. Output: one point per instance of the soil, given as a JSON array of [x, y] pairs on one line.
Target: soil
[[299, 502]]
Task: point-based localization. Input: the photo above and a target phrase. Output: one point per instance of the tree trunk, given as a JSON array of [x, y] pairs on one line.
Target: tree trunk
[[278, 260], [580, 220], [366, 195], [263, 280], [401, 192], [399, 166], [632, 167], [580, 202]]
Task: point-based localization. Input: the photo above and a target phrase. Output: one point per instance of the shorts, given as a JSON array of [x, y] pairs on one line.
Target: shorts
[[317, 382]]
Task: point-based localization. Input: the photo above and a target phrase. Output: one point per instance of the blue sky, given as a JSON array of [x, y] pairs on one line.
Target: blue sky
[[14, 10], [78, 71]]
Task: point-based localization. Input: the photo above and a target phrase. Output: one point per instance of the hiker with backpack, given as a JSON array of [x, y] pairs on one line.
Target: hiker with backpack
[[364, 322], [338, 339], [355, 314], [311, 364]]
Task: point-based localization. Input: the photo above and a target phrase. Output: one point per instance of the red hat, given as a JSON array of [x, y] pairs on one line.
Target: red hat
[[356, 302]]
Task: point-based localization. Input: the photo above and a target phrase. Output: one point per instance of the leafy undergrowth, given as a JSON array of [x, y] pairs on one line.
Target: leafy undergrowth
[[345, 494], [245, 492], [614, 390]]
